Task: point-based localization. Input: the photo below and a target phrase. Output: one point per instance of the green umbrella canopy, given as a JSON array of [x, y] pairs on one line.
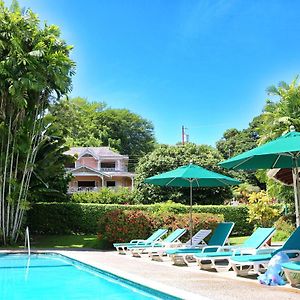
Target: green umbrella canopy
[[283, 152], [279, 153], [191, 175]]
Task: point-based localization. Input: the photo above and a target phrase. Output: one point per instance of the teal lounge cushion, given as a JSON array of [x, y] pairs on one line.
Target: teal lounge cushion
[[183, 251], [251, 258], [293, 266], [214, 254]]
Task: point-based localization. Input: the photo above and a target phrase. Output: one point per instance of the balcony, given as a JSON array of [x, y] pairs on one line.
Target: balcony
[[88, 189], [108, 169]]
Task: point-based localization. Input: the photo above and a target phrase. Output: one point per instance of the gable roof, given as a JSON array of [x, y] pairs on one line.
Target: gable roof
[[97, 152], [86, 169]]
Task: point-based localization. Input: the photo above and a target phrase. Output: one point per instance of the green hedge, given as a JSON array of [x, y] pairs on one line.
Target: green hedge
[[58, 218]]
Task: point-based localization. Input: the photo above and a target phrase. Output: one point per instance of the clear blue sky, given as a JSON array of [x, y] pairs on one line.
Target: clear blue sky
[[204, 64]]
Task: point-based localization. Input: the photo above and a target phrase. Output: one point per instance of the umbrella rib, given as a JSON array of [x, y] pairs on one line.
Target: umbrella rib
[[171, 181], [278, 157], [224, 182], [242, 162]]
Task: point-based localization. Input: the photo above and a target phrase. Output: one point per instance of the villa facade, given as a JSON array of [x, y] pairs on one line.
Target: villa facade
[[97, 167]]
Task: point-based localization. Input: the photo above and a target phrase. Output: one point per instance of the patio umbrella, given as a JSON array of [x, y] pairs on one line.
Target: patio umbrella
[[191, 176], [283, 175], [283, 152]]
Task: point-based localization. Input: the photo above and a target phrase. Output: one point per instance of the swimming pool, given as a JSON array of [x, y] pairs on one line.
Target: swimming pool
[[54, 276]]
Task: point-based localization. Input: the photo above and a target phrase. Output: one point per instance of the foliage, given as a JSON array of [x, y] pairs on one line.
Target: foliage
[[123, 226], [282, 112], [106, 196], [243, 191], [35, 69], [261, 213], [49, 179], [284, 229], [93, 124], [235, 142], [127, 132], [165, 158], [58, 218]]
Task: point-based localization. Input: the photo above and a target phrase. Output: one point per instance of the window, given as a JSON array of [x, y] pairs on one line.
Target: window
[[108, 165], [86, 183], [70, 165], [110, 183], [87, 155]]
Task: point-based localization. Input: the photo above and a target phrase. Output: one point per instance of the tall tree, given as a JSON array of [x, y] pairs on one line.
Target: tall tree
[[281, 111], [165, 158], [93, 124], [35, 68]]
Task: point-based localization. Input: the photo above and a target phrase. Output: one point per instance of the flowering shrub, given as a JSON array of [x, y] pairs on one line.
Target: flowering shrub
[[123, 226]]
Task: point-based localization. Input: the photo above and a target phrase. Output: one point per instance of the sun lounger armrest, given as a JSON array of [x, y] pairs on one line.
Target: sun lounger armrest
[[296, 253], [252, 251], [167, 245], [228, 248], [209, 248], [138, 241]]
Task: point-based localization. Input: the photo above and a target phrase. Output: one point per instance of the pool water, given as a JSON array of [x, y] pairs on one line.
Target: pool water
[[53, 276]]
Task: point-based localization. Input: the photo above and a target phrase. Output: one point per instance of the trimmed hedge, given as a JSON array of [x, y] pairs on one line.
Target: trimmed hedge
[[59, 218], [124, 225]]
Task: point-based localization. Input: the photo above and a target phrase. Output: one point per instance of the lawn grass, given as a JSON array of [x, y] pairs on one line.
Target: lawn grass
[[237, 240], [83, 242], [63, 242]]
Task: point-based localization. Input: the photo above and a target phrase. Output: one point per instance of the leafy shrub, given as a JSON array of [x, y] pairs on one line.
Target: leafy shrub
[[58, 218], [284, 229], [121, 226], [121, 195], [261, 213]]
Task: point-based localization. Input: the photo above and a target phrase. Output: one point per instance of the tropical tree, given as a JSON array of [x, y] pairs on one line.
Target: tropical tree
[[234, 142], [90, 124], [35, 69], [165, 158], [282, 111]]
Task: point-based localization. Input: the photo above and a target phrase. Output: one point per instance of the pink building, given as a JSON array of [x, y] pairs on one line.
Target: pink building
[[97, 167]]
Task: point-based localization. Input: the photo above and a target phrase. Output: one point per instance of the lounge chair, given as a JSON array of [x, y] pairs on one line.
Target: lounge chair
[[292, 272], [170, 240], [219, 260], [181, 257], [198, 238], [155, 237], [244, 264]]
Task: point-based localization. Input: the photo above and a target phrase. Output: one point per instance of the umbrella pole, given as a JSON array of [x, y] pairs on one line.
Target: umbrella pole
[[191, 213], [296, 190]]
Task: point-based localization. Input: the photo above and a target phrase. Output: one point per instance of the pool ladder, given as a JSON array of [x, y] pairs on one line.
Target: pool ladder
[[27, 240]]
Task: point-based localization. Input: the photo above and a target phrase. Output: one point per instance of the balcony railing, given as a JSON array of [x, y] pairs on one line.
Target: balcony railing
[[108, 169], [88, 189]]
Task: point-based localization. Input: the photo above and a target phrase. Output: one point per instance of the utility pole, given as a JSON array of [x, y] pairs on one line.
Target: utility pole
[[185, 136]]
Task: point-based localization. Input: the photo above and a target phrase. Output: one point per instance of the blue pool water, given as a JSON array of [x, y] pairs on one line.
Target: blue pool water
[[53, 276]]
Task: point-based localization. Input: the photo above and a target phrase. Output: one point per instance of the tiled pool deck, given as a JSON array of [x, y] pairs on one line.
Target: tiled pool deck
[[184, 282]]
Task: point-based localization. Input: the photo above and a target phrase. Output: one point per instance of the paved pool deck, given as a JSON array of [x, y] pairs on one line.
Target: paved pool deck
[[184, 282]]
